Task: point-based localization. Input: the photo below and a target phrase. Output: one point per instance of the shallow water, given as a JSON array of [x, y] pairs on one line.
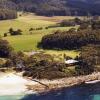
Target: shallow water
[[11, 97], [82, 92]]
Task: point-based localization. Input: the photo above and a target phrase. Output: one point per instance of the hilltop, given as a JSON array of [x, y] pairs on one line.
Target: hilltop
[[54, 7]]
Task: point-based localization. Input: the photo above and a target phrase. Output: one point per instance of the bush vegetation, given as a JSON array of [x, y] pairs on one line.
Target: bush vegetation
[[89, 59], [58, 7], [5, 48], [13, 32], [7, 14], [70, 39], [87, 33]]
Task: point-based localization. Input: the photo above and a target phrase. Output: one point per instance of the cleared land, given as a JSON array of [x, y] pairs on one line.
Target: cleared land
[[28, 41]]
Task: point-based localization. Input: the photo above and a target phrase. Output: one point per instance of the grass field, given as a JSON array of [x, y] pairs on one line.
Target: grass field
[[60, 54], [23, 23], [27, 41]]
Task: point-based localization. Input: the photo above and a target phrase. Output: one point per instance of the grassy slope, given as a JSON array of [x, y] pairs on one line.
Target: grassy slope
[[60, 54], [28, 42], [23, 23]]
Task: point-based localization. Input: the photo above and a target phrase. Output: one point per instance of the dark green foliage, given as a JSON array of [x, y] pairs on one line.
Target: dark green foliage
[[70, 39], [40, 28], [60, 7], [77, 21], [17, 57], [19, 32], [84, 26], [43, 66], [39, 65], [5, 48], [54, 7], [72, 30], [8, 63], [7, 10], [13, 32], [66, 23], [5, 34], [7, 4], [7, 14], [31, 29], [72, 22], [89, 59], [96, 24]]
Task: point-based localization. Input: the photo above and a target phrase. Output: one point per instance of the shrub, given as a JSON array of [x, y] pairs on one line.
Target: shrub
[[43, 66], [5, 34], [66, 23], [89, 59], [5, 48], [12, 32], [31, 29]]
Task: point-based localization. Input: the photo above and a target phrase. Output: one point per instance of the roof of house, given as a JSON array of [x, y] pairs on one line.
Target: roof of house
[[71, 61]]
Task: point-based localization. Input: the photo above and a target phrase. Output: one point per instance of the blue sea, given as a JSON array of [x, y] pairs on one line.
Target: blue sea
[[81, 92]]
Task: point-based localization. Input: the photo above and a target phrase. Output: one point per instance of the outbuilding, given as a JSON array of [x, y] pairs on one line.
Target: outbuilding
[[71, 62]]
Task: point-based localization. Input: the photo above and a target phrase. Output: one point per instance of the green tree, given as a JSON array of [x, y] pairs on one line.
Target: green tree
[[5, 48]]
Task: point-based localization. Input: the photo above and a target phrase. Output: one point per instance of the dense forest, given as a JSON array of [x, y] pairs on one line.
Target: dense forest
[[87, 33], [7, 10], [7, 14], [89, 59], [70, 40], [54, 7]]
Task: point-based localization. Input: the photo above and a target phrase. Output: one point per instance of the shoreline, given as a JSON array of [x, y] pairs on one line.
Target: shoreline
[[15, 84], [64, 82]]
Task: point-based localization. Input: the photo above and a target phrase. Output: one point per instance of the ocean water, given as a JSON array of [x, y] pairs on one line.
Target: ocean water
[[11, 97], [81, 92]]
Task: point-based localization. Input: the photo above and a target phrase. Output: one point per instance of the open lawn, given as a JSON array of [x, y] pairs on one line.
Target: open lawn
[[59, 54], [52, 18], [23, 23], [26, 22], [24, 42], [27, 41]]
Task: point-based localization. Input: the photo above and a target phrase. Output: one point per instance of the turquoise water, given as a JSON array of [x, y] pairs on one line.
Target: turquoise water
[[81, 92], [96, 97], [11, 97], [19, 97]]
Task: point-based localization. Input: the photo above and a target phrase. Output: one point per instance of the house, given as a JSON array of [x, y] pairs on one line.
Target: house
[[71, 62]]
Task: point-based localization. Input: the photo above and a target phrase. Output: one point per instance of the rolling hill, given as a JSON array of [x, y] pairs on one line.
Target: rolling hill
[[54, 7]]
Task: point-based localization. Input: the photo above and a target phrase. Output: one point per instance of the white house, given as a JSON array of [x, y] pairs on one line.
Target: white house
[[71, 62]]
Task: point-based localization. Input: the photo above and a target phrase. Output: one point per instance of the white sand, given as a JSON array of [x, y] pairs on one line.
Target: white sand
[[11, 84]]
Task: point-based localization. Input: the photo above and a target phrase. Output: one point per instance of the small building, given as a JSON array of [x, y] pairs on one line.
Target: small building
[[71, 62]]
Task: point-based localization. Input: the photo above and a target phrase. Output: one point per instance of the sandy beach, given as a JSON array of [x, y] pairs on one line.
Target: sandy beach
[[14, 83]]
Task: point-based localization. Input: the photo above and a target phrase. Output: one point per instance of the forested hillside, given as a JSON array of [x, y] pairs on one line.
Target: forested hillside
[[7, 10], [7, 14], [54, 7]]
